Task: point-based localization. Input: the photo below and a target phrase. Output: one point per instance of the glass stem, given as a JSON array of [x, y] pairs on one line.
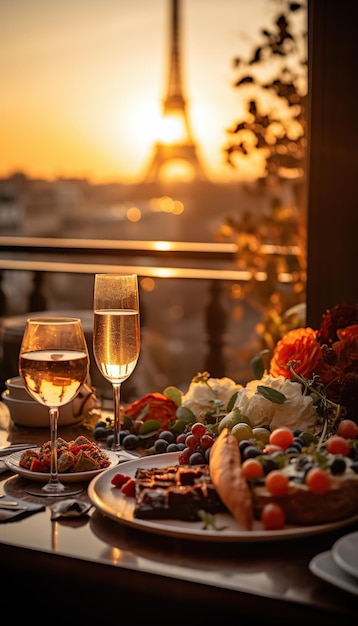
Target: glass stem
[[54, 413], [117, 416]]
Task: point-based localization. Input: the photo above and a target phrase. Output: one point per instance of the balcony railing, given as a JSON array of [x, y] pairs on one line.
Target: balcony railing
[[209, 268]]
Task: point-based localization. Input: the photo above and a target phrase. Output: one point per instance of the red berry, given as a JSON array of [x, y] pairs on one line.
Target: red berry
[[183, 457], [119, 479], [206, 441], [192, 442], [128, 489], [198, 429]]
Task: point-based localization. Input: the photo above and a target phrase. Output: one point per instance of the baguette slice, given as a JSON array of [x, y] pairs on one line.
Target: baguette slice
[[228, 479]]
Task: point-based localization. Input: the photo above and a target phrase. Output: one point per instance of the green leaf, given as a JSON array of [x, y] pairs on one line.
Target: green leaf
[[308, 438], [232, 401], [179, 426], [259, 364], [127, 422], [185, 414], [271, 394], [208, 520], [149, 427], [257, 367], [174, 394]]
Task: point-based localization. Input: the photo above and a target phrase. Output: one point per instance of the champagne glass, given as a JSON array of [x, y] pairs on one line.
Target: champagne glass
[[116, 334], [54, 363]]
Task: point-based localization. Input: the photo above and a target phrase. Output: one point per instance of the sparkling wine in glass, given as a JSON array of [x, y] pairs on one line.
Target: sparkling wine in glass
[[116, 334], [54, 363]]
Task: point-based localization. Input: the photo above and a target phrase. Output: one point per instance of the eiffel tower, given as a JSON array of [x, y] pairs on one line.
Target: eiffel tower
[[174, 104]]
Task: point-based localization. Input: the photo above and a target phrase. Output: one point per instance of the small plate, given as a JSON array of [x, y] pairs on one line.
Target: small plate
[[12, 463], [345, 553], [324, 566]]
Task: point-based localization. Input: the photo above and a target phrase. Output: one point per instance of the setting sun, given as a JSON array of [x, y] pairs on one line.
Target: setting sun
[[84, 97]]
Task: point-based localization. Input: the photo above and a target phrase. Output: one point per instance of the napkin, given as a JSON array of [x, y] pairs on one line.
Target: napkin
[[69, 508], [13, 514]]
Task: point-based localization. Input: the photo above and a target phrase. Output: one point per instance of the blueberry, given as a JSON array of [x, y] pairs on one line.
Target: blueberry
[[110, 441], [99, 432], [338, 466], [168, 436], [160, 445], [197, 459], [174, 447], [269, 465], [130, 442], [243, 444], [250, 452], [122, 435]]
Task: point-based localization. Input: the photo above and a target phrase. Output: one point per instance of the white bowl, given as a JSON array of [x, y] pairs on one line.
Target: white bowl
[[33, 414], [17, 389], [25, 411]]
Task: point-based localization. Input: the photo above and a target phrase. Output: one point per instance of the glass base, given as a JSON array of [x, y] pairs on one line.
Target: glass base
[[69, 490]]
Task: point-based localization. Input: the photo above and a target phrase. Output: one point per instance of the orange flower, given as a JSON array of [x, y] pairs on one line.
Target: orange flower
[[160, 408], [299, 345]]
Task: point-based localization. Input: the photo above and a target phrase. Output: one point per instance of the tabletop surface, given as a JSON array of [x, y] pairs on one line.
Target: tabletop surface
[[254, 577]]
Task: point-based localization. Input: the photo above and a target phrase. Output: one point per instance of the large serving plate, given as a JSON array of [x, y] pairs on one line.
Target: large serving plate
[[12, 463], [113, 504]]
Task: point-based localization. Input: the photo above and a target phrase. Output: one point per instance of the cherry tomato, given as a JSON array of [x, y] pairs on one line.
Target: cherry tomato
[[337, 445], [273, 516], [277, 483], [348, 429], [252, 468], [317, 480], [282, 437]]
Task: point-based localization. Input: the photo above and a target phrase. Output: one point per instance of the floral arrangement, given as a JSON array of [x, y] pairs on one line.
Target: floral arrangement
[[309, 381], [324, 360]]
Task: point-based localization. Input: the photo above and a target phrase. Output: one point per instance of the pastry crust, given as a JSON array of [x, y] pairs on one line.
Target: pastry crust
[[303, 507], [228, 479]]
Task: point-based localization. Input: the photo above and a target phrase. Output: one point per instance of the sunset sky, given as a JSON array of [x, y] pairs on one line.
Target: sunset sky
[[83, 81]]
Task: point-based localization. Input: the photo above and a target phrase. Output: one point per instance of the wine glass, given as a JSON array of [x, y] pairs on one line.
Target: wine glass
[[53, 363], [116, 333]]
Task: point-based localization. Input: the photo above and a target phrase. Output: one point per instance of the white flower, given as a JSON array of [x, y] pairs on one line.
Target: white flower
[[296, 412], [200, 395]]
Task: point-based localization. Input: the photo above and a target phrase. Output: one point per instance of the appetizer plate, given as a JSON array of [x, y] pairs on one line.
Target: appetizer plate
[[113, 504], [324, 566], [345, 553], [12, 463]]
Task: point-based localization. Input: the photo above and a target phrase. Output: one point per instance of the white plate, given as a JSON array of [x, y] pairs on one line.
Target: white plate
[[324, 566], [12, 463], [113, 504], [345, 553]]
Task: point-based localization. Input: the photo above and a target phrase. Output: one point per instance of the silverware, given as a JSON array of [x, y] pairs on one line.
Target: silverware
[[15, 447], [11, 504]]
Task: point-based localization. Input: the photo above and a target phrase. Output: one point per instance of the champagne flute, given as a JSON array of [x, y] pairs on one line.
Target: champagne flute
[[54, 363], [116, 334]]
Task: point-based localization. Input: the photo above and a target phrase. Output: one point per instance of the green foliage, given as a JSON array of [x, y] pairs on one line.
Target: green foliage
[[271, 394]]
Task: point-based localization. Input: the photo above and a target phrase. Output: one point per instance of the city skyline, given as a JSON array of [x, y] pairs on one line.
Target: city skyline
[[80, 100]]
